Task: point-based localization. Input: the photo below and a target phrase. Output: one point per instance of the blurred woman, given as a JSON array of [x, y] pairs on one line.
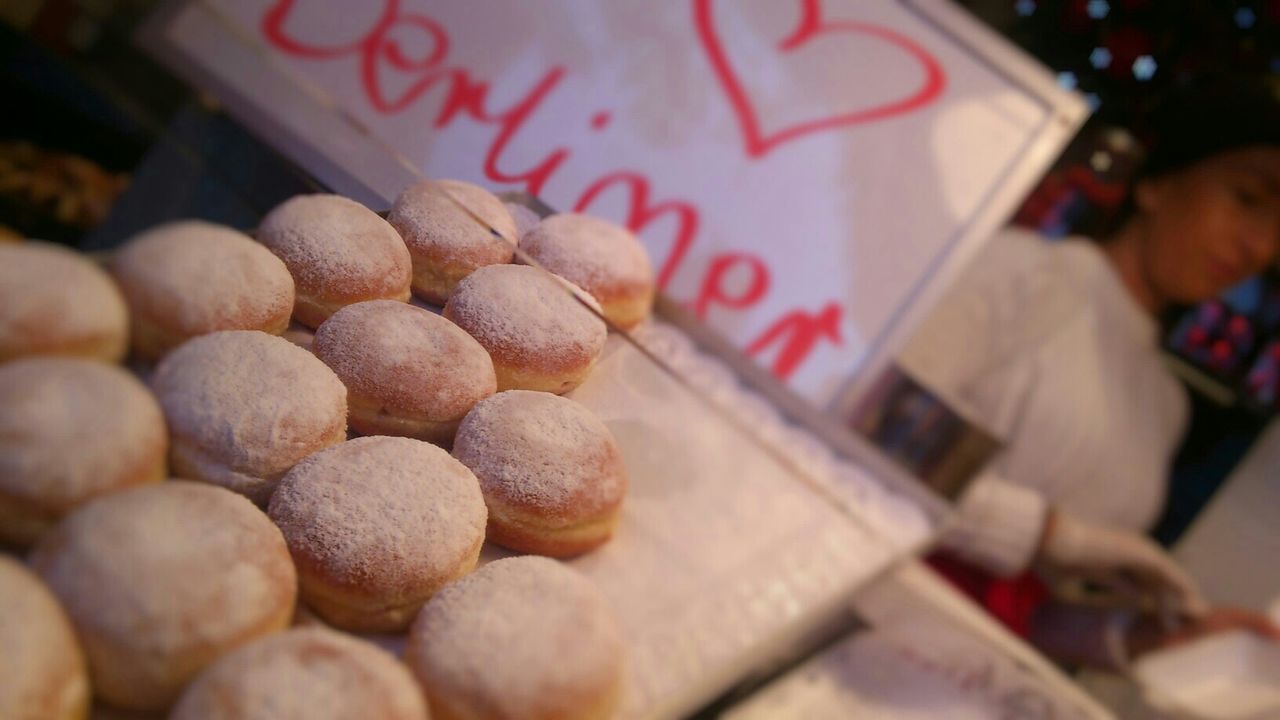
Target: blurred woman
[[1055, 348]]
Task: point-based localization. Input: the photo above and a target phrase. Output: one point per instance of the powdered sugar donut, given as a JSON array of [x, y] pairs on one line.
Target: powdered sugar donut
[[376, 526], [42, 665], [408, 371], [243, 407], [71, 430], [56, 302], [444, 240], [523, 637], [338, 251], [189, 278], [539, 336], [160, 581], [304, 674], [601, 257], [550, 471]]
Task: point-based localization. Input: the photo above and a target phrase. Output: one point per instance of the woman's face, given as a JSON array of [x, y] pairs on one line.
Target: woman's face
[[1211, 225]]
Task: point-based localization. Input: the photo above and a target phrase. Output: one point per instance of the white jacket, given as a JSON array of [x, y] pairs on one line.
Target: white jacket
[[1042, 344]]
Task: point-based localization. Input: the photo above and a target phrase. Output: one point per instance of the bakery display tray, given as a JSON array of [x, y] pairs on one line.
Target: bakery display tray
[[724, 556], [726, 560], [746, 527]]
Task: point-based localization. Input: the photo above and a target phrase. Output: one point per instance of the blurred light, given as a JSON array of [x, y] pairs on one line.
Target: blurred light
[[1120, 140], [1098, 9], [1025, 8], [1067, 80], [1221, 350], [1100, 58], [1144, 68], [1211, 313], [1275, 65], [1100, 161], [1094, 101], [1246, 18]]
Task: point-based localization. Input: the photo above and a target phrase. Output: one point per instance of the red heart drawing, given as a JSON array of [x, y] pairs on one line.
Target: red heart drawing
[[811, 26]]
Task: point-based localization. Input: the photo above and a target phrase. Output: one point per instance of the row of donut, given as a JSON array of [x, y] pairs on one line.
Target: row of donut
[[179, 597], [365, 531], [317, 254], [370, 540], [241, 410]]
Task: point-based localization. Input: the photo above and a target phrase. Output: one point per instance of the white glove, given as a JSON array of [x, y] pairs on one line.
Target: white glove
[[1123, 561]]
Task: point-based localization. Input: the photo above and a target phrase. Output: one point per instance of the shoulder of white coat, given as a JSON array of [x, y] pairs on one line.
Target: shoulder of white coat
[[1030, 278], [1018, 263], [1009, 252], [1083, 259], [1011, 297]]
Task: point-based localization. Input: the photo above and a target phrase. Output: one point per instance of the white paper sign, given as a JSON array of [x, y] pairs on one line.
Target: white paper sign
[[799, 170]]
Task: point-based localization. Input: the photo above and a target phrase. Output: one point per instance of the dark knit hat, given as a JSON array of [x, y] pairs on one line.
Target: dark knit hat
[[1212, 116]]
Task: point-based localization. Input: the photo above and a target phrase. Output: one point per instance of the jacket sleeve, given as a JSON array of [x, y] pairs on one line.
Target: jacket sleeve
[[997, 525], [987, 319]]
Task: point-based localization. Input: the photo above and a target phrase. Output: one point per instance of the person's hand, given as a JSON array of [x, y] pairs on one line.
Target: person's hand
[[1129, 564], [1223, 619], [1149, 634]]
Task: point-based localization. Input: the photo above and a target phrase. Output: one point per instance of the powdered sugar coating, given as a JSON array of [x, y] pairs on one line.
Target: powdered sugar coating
[[51, 298], [71, 429], [42, 666], [337, 249], [193, 277], [543, 452], [522, 637], [304, 674], [408, 359], [601, 257], [387, 517], [160, 580], [252, 402], [526, 317], [435, 228]]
